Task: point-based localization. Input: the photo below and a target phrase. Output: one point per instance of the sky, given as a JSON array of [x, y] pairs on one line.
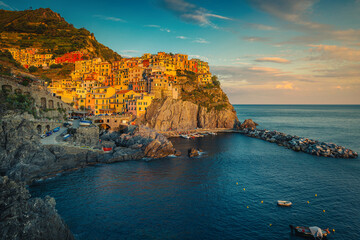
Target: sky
[[263, 51]]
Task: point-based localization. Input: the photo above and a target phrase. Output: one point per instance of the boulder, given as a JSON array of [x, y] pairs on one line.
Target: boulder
[[248, 123], [192, 152]]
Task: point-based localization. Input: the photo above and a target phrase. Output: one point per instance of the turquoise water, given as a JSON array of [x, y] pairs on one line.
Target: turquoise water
[[204, 197]]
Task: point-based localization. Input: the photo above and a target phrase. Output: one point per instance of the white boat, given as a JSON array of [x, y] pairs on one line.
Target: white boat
[[185, 136], [212, 133], [284, 203]]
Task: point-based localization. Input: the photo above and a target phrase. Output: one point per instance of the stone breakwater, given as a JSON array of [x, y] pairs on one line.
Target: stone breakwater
[[300, 144]]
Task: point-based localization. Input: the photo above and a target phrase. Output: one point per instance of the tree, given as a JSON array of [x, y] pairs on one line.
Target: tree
[[33, 69], [215, 81]]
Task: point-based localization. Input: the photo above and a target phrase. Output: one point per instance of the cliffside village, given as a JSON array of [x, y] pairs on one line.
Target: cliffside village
[[125, 86]]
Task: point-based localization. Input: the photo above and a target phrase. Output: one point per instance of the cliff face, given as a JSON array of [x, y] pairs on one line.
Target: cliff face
[[25, 218], [167, 114]]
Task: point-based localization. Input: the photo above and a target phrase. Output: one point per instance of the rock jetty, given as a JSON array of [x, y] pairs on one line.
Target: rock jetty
[[300, 144]]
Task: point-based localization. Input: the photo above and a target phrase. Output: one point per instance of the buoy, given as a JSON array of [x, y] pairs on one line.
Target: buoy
[[237, 183], [323, 210], [262, 201], [247, 207], [244, 189], [308, 202], [270, 224], [315, 195], [333, 230]]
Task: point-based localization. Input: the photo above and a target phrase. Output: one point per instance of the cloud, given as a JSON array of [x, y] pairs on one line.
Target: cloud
[[114, 19], [201, 40], [129, 51], [289, 10], [199, 57], [158, 27], [262, 27], [182, 37], [256, 39], [5, 6], [333, 52], [285, 85], [272, 59], [189, 12]]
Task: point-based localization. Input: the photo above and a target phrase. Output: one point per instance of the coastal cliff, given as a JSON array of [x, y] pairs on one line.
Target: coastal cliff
[[22, 217], [171, 114]]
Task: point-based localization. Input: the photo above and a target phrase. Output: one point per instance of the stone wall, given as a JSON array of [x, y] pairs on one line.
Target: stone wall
[[42, 97]]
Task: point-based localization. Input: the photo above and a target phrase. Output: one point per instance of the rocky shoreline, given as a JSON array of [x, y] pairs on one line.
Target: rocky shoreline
[[298, 144]]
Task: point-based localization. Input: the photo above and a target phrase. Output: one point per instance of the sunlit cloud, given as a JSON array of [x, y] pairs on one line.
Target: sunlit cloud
[[333, 52], [182, 37], [272, 59], [201, 40], [129, 51], [262, 27], [256, 39], [114, 19], [285, 85], [191, 13], [158, 27], [6, 6]]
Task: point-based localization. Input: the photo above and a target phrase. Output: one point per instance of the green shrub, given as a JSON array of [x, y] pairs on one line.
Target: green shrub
[[33, 69]]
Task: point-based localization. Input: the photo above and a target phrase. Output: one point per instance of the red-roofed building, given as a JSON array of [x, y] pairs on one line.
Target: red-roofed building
[[70, 57]]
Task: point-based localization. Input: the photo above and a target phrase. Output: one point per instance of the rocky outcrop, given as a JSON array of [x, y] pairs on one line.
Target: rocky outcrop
[[153, 144], [88, 136], [24, 218], [192, 152], [298, 144], [248, 123], [171, 114]]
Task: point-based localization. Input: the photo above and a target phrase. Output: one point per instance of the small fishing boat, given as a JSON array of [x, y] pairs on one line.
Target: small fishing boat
[[48, 133], [85, 123], [310, 232], [107, 149], [284, 203], [56, 129], [212, 133], [185, 136], [66, 136]]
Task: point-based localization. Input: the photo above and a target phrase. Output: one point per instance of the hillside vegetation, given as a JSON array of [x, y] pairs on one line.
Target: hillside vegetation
[[45, 29]]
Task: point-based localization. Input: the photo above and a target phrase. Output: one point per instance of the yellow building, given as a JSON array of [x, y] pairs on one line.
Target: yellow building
[[121, 97], [104, 100]]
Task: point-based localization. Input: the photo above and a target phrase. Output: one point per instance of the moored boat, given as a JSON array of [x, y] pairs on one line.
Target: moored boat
[[107, 149], [185, 136], [284, 203], [56, 129], [310, 232]]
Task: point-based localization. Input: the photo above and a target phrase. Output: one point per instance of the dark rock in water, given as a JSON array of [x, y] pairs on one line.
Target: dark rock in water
[[24, 218], [193, 152], [249, 123]]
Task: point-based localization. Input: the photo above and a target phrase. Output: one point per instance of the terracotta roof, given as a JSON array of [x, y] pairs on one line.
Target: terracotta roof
[[123, 91]]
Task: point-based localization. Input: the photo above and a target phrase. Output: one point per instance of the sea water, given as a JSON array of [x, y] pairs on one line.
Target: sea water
[[229, 192]]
